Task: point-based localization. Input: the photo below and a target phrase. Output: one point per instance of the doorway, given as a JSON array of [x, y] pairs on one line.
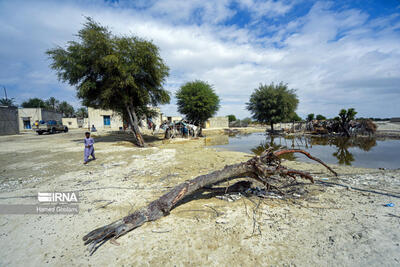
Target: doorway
[[107, 121], [27, 124]]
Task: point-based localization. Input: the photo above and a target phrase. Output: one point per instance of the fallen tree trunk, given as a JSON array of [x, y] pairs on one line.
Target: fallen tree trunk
[[257, 168]]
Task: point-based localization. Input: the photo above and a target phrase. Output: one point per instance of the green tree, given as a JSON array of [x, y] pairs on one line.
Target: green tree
[[310, 117], [124, 74], [320, 117], [66, 109], [272, 103], [345, 116], [81, 113], [8, 102], [197, 101], [34, 103], [294, 117], [52, 103], [231, 118]]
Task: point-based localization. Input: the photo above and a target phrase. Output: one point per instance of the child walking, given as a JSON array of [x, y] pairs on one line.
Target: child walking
[[89, 148]]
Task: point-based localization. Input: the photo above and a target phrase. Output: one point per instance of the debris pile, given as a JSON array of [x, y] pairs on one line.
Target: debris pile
[[355, 127]]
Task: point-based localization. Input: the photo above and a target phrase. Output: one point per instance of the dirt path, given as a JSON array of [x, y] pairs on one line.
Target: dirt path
[[327, 225]]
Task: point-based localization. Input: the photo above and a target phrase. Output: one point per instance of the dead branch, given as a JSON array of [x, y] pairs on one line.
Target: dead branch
[[259, 168]]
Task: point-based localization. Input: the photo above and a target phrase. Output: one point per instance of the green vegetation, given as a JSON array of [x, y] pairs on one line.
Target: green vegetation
[[81, 113], [34, 103], [345, 116], [231, 118], [124, 74], [310, 117], [51, 104], [197, 101], [272, 103], [294, 117], [8, 102], [320, 117], [66, 109]]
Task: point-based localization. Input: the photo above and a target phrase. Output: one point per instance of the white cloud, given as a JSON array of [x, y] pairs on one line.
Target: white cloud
[[333, 58], [269, 8]]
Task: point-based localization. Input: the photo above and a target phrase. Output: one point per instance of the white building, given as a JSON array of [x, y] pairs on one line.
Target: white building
[[217, 122], [170, 118], [28, 116], [71, 123], [108, 119], [104, 119]]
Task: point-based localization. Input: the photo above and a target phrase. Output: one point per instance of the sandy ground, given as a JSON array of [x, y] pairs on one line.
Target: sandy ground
[[336, 221]]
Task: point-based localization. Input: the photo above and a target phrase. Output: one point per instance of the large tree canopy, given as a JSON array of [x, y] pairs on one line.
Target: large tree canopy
[[197, 101], [121, 73], [272, 103]]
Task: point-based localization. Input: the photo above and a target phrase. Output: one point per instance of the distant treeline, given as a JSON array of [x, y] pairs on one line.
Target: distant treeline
[[56, 105]]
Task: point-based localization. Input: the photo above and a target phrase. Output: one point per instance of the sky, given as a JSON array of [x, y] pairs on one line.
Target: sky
[[335, 54]]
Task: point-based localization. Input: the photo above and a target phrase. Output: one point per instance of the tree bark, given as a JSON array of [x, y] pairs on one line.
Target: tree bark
[[272, 127], [134, 125], [258, 168]]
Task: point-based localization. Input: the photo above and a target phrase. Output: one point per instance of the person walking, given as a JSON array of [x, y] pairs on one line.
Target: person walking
[[89, 148]]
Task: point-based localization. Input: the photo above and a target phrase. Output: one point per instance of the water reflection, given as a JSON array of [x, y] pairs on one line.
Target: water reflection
[[341, 144], [344, 156], [361, 152]]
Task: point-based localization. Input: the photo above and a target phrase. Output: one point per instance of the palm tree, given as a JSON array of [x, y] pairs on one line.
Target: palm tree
[[9, 102], [52, 103], [66, 109], [82, 113]]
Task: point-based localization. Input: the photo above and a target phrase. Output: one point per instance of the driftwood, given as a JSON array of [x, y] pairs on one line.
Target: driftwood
[[259, 168]]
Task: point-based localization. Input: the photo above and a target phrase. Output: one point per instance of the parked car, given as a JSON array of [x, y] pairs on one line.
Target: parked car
[[49, 126]]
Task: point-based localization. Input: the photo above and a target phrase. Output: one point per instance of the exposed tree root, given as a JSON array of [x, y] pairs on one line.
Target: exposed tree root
[[260, 168]]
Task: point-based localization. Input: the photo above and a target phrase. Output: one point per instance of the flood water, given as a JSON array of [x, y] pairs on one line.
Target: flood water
[[366, 152]]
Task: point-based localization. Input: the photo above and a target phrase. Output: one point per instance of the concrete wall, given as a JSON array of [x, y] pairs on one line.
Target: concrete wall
[[9, 120], [51, 115], [171, 118], [71, 123], [217, 122], [96, 118], [85, 123], [30, 115]]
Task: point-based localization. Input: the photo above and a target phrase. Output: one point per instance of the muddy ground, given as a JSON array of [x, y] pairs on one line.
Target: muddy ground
[[336, 221]]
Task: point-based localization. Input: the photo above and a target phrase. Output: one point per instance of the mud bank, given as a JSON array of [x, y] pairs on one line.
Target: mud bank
[[336, 221]]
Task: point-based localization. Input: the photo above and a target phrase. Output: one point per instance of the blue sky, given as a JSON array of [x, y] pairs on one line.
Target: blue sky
[[336, 54]]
